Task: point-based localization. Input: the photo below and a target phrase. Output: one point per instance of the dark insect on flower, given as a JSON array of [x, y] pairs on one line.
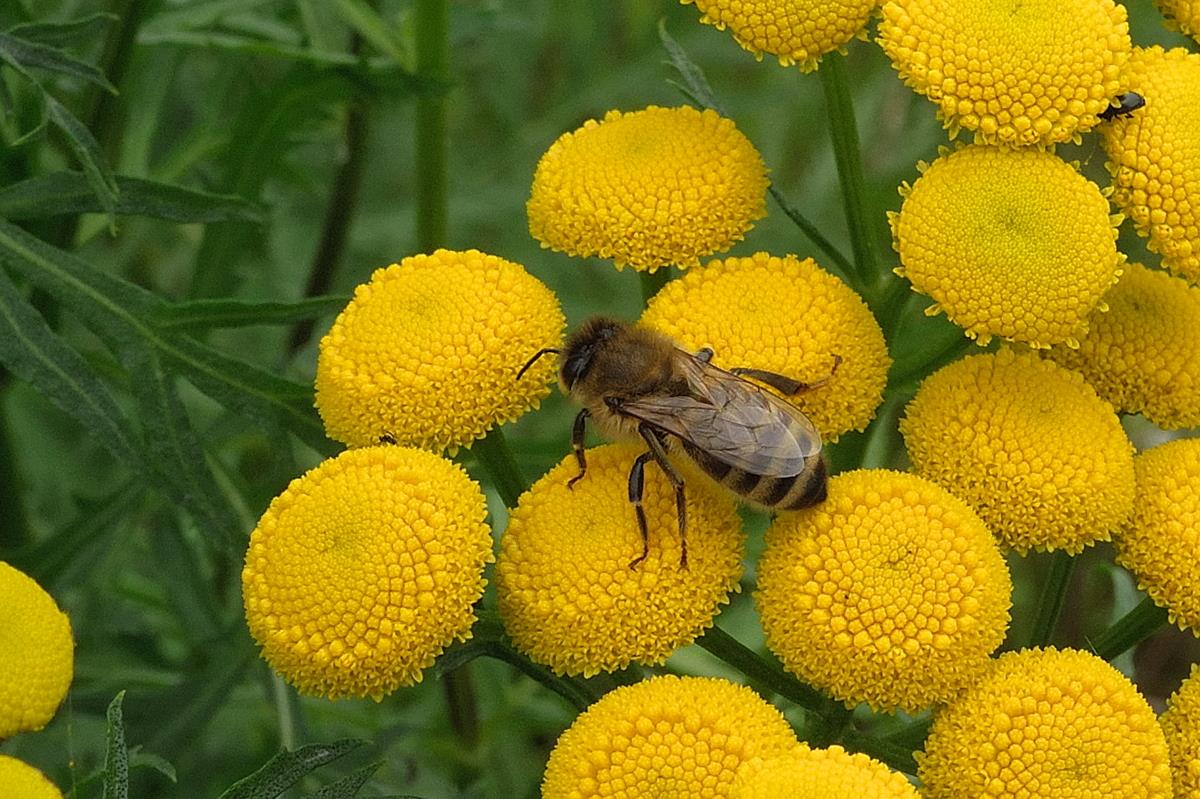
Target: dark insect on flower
[[1127, 103], [635, 382]]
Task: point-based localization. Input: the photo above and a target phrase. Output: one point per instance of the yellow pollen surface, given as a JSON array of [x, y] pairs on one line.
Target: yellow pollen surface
[[1181, 726], [19, 780], [831, 773], [37, 654]]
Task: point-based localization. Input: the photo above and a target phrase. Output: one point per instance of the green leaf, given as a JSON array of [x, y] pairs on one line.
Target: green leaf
[[208, 314], [84, 30], [287, 768], [32, 351], [22, 53], [364, 19], [249, 45], [69, 193], [140, 759], [695, 84], [87, 150], [116, 761], [201, 14], [349, 786]]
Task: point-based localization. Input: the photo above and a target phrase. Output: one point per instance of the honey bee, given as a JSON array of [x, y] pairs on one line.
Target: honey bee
[[636, 382]]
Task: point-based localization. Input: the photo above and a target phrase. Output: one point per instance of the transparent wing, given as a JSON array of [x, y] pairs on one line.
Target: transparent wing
[[732, 420]]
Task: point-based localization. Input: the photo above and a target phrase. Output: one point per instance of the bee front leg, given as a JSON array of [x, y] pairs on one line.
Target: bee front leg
[[577, 445], [654, 441], [637, 486]]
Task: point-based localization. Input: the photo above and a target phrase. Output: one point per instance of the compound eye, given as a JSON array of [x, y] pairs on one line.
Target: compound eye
[[575, 366]]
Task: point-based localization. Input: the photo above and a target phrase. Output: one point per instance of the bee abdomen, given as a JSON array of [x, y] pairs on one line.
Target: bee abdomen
[[782, 493]]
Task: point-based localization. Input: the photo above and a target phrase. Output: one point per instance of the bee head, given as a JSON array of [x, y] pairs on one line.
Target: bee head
[[582, 347]]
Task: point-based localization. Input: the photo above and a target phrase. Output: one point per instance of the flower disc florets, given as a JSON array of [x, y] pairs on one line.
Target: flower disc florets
[[1009, 243], [566, 591], [831, 773], [784, 315], [1181, 725], [650, 188], [1181, 15], [795, 31], [1034, 72], [890, 592], [427, 352], [1026, 443], [666, 736], [1154, 156], [37, 654], [1047, 723], [364, 569], [1161, 542], [19, 780], [1143, 354]]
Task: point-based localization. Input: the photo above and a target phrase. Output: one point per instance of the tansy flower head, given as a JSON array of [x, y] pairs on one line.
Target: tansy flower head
[[1181, 725], [650, 188], [1010, 243], [1182, 15], [788, 316], [37, 654], [566, 591], [364, 569], [1034, 72], [1047, 723], [1028, 444], [1154, 156], [428, 351], [1143, 355], [891, 592], [831, 773], [666, 736], [1161, 542], [796, 31], [20, 780]]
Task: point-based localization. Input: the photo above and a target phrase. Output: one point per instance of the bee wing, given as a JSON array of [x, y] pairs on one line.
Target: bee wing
[[732, 420]]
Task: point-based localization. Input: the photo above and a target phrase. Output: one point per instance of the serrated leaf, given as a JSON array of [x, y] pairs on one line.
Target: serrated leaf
[[349, 786], [209, 314], [20, 52], [287, 768], [364, 19], [91, 158], [33, 352], [69, 193], [693, 76], [116, 759], [85, 30]]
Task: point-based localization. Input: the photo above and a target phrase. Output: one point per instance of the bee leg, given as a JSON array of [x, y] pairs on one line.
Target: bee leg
[[577, 445], [787, 385], [636, 488], [654, 441], [704, 354]]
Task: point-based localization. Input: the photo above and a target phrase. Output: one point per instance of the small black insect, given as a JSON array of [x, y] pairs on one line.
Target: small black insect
[[1127, 103]]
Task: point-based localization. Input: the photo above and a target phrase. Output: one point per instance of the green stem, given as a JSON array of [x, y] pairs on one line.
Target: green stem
[[1050, 604], [14, 524], [653, 281], [841, 265], [494, 453], [459, 692], [725, 647], [433, 56], [1135, 626], [898, 756], [285, 714], [870, 279]]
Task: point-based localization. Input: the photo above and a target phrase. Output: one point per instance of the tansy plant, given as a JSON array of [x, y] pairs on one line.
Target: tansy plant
[[381, 524]]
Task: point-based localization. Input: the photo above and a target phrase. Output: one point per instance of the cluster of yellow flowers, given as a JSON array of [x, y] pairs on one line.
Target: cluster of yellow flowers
[[37, 661]]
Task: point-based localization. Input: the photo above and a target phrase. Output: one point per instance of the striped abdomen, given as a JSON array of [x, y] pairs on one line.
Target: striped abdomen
[[779, 493]]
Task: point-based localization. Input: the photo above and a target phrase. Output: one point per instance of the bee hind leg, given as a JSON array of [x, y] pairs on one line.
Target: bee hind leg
[[784, 384], [637, 486], [659, 452], [577, 445]]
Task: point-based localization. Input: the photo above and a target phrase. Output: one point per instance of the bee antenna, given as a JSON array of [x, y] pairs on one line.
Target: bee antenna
[[533, 360]]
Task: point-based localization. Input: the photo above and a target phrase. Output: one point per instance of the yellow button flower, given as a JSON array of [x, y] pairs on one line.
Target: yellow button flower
[[891, 592], [796, 31], [1034, 72], [1154, 156], [831, 773], [37, 654], [1182, 15], [784, 315], [427, 352], [1047, 723], [1010, 243], [566, 591], [1161, 542], [666, 736], [1141, 354], [1181, 725], [20, 780], [650, 188], [1029, 445], [364, 569]]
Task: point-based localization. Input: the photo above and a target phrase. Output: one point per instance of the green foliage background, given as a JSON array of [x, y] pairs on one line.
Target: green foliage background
[[153, 402]]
